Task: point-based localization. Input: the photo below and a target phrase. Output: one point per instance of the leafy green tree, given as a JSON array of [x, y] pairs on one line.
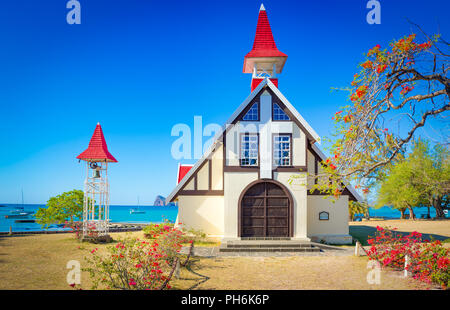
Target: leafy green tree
[[355, 207], [422, 179], [431, 168], [398, 191], [67, 206]]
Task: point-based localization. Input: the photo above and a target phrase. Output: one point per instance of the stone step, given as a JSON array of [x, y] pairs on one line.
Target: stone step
[[268, 245], [265, 238], [269, 249]]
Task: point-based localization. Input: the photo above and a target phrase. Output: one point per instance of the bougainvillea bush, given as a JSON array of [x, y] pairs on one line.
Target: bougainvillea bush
[[77, 228], [428, 260], [136, 264], [151, 231]]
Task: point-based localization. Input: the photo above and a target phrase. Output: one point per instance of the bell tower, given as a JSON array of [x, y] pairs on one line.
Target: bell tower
[[264, 60], [96, 186]]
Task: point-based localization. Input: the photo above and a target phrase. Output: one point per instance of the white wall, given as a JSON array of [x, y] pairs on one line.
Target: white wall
[[202, 212], [235, 182], [298, 192], [337, 225]]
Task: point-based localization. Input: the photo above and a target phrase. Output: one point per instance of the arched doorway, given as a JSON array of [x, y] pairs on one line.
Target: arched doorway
[[265, 210]]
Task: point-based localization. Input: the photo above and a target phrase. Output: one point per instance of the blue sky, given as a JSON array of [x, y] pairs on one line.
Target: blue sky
[[140, 67]]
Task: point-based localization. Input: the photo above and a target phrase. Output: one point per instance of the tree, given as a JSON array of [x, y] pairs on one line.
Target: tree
[[422, 179], [399, 87], [398, 191], [431, 167], [67, 206], [355, 207]]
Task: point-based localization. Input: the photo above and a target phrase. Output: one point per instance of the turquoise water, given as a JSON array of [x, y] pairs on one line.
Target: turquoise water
[[153, 214], [389, 213]]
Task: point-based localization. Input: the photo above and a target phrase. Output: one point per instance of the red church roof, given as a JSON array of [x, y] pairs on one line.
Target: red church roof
[[264, 44], [97, 149], [182, 171]]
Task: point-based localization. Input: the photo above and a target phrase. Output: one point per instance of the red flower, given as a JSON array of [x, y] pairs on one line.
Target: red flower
[[381, 68]]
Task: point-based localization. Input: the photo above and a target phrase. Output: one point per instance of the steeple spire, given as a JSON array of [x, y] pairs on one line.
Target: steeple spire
[[97, 149], [264, 60]]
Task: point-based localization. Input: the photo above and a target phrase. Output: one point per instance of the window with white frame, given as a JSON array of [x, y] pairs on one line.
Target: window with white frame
[[278, 113], [252, 114], [249, 150], [282, 150]]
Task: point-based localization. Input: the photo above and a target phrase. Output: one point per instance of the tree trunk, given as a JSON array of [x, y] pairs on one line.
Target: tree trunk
[[437, 204], [402, 216], [412, 216]]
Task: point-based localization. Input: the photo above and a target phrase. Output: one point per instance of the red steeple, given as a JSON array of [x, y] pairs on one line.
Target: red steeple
[[264, 60], [97, 149], [264, 44]]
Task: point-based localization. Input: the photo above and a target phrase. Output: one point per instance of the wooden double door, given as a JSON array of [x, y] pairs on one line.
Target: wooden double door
[[265, 210]]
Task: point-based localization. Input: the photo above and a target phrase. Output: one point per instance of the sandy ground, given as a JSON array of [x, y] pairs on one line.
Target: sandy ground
[[267, 273], [39, 262]]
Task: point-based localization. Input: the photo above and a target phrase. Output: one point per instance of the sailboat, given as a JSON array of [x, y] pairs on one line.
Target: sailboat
[[19, 212], [136, 210]]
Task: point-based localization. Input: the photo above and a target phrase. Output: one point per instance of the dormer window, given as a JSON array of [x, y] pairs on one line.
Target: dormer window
[[278, 114], [252, 114]]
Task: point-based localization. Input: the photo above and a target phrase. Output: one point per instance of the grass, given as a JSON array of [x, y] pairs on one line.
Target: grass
[[438, 230], [207, 244], [287, 273], [39, 262]]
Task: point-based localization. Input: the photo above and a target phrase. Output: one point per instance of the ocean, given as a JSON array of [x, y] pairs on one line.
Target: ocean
[[153, 214], [118, 214]]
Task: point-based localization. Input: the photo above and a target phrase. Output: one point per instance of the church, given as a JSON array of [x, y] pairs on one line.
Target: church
[[254, 181]]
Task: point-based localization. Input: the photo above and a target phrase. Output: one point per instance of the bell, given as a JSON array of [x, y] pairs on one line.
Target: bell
[[97, 174]]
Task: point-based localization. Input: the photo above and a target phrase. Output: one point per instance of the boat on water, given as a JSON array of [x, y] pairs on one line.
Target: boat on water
[[21, 211], [25, 221], [136, 210], [19, 215]]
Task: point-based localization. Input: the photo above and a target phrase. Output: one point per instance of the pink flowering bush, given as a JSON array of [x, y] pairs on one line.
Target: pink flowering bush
[[153, 230], [134, 264], [428, 261], [77, 228]]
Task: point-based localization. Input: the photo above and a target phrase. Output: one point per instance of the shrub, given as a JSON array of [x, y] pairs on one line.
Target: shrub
[[151, 231], [428, 261], [137, 264], [192, 234], [77, 228]]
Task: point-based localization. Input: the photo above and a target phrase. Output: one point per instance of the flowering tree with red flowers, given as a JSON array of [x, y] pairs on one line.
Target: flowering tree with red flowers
[[405, 84]]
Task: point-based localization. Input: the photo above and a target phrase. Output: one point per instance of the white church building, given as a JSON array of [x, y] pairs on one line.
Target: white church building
[[253, 182]]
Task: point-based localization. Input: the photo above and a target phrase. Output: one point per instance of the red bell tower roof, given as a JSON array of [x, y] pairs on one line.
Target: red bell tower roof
[[97, 150], [264, 47]]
